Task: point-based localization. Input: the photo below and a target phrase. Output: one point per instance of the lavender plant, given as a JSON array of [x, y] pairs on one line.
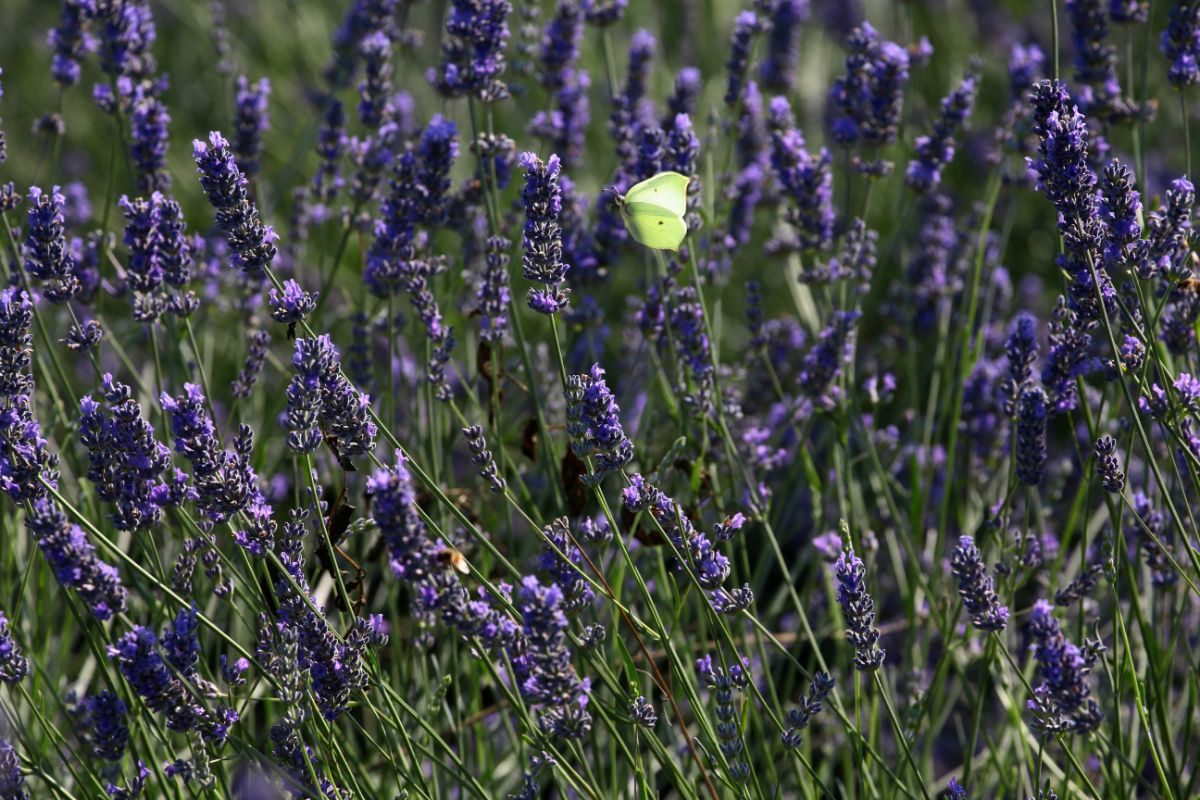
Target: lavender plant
[[366, 454]]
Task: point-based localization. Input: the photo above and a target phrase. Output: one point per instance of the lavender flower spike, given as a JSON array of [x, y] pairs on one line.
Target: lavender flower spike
[[14, 666], [12, 782], [1180, 43], [542, 261], [1031, 436], [936, 150], [322, 404], [251, 120], [48, 258], [594, 423], [976, 588], [473, 50], [253, 243], [1063, 702], [744, 29], [859, 611], [74, 562]]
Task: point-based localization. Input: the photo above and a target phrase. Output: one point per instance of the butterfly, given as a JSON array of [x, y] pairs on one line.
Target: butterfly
[[653, 210]]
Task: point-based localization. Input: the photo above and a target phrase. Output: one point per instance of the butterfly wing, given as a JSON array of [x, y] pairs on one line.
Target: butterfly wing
[[667, 190], [654, 227]]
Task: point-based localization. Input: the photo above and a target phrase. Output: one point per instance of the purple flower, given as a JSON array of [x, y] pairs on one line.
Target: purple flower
[[867, 102], [1025, 62], [109, 733], [745, 27], [544, 672], [560, 45], [1068, 357], [724, 684], [493, 294], [12, 782], [1031, 436], [542, 259], [1020, 351], [393, 262], [252, 243], [25, 460], [473, 50], [436, 151], [565, 572], [1169, 229], [373, 91], [73, 559], [126, 462], [143, 238], [806, 180], [682, 150], [1120, 208], [225, 481], [331, 144], [692, 344], [137, 655], [976, 587], [686, 94], [71, 41], [696, 551], [1180, 43], [859, 611], [322, 405], [1148, 527], [778, 69], [127, 33], [293, 305], [799, 718], [393, 249], [1129, 11], [565, 126], [250, 122], [14, 666], [937, 150], [148, 122], [1109, 465], [1063, 701], [256, 355], [643, 712], [47, 255], [362, 19], [602, 13], [594, 423], [412, 554], [482, 458], [1096, 62], [1066, 178], [651, 143], [823, 362], [175, 249]]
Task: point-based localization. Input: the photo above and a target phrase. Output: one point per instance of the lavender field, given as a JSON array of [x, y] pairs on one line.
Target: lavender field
[[597, 399]]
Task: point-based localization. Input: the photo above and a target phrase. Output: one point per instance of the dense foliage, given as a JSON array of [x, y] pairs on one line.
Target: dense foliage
[[350, 446]]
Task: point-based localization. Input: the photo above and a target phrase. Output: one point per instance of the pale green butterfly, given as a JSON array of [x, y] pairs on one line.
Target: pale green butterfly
[[653, 210]]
